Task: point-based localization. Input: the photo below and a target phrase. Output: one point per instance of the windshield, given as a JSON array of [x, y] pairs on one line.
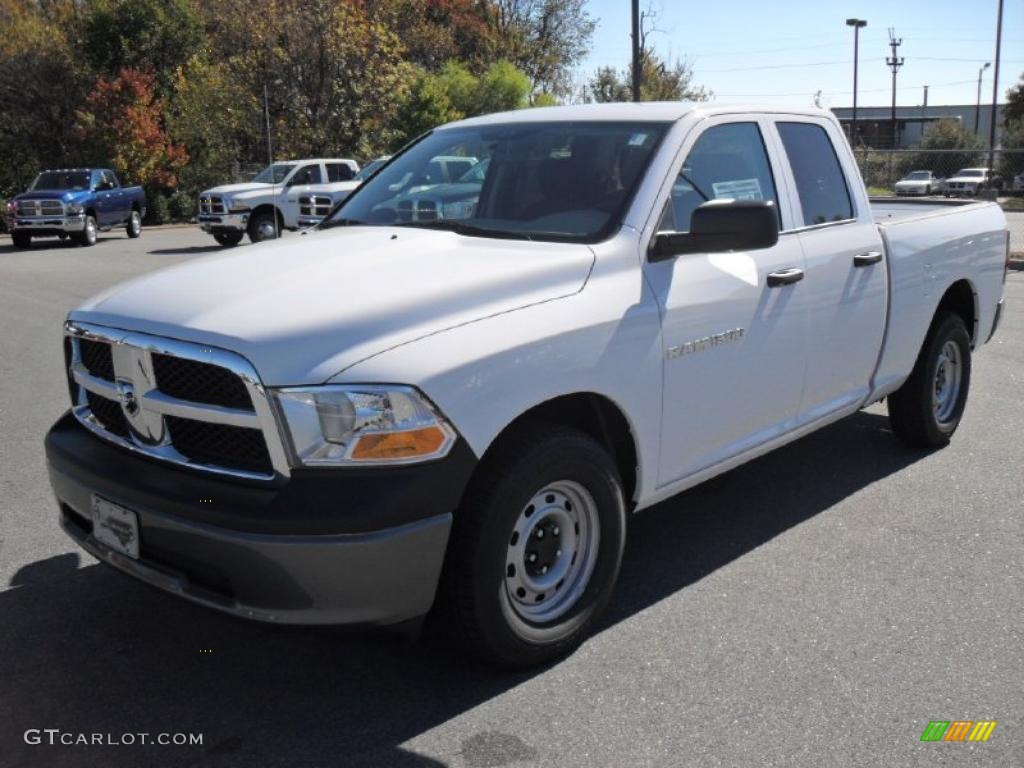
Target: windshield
[[970, 172], [918, 176], [74, 180], [544, 181], [274, 174], [370, 168]]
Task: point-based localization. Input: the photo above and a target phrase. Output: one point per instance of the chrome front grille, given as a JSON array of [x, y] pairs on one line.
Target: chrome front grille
[[183, 403], [33, 208], [315, 205], [211, 204]]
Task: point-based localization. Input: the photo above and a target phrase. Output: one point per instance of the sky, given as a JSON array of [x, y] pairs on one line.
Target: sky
[[783, 51]]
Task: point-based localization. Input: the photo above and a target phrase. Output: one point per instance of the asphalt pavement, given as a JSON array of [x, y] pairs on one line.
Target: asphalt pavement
[[816, 607]]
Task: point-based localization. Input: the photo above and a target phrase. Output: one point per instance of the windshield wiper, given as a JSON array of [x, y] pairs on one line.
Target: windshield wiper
[[461, 228]]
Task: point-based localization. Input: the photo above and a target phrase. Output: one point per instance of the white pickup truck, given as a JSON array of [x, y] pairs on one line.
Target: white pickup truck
[[268, 204], [391, 414]]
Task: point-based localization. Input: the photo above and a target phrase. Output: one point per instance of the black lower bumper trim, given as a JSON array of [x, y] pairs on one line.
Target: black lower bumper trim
[[310, 502]]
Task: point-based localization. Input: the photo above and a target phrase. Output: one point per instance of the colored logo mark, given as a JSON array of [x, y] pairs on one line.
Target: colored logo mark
[[958, 730]]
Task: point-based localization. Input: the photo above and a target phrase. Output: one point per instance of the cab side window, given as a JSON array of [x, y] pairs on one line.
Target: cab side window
[[728, 162], [820, 184], [339, 172], [307, 174]]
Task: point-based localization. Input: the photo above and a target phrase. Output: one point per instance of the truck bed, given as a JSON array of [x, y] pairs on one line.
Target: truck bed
[[931, 243]]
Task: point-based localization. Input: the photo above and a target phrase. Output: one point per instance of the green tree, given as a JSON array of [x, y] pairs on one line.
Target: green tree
[[1011, 163], [426, 105], [947, 135], [154, 35], [659, 82], [1014, 110], [42, 84]]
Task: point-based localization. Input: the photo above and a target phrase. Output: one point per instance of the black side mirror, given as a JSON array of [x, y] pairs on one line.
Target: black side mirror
[[721, 225]]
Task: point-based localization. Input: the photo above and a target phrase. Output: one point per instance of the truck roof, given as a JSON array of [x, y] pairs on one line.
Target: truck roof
[[647, 111]]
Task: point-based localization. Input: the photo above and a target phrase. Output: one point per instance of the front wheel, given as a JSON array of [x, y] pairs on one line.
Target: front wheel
[[228, 239], [927, 409], [87, 236], [263, 226], [21, 239], [536, 546], [134, 227]]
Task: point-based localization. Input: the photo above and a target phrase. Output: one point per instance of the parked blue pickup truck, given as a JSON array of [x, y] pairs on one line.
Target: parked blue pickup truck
[[75, 203]]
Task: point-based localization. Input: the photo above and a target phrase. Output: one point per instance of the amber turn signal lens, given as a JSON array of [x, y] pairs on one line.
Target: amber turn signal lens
[[399, 445]]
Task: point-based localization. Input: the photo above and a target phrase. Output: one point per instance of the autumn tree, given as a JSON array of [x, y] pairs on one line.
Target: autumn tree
[[121, 126]]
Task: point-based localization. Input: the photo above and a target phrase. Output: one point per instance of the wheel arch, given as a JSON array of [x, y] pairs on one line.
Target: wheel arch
[[598, 416], [961, 298], [269, 208]]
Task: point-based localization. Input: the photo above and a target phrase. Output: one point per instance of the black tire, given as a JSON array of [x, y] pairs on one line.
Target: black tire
[[87, 237], [262, 227], [912, 412], [475, 598], [134, 226], [228, 239], [21, 239]]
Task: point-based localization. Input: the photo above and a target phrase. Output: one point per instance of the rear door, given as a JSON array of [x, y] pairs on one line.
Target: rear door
[[846, 281], [734, 346], [107, 199]]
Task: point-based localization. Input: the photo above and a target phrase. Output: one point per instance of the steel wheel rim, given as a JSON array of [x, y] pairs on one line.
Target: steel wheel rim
[[90, 230], [552, 552], [946, 385], [135, 222]]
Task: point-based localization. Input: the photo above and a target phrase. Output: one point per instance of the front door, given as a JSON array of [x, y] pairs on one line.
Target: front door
[[734, 338]]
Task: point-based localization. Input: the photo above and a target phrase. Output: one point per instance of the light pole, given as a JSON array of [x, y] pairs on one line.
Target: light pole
[[977, 110], [856, 24], [637, 67], [995, 89]]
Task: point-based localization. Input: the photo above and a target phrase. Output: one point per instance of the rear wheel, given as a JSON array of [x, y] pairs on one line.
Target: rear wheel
[[87, 236], [228, 238], [134, 227], [263, 226], [21, 239], [536, 546], [927, 409]]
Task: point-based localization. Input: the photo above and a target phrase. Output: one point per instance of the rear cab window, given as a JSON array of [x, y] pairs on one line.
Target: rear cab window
[[339, 172], [820, 183]]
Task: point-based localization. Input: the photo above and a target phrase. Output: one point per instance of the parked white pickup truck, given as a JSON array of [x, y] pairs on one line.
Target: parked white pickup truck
[[268, 204], [390, 412], [310, 204]]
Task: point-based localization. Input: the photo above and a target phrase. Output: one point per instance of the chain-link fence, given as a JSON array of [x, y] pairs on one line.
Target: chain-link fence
[[939, 169], [950, 173]]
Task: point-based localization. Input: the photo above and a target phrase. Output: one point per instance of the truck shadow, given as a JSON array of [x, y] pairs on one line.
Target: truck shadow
[[85, 649]]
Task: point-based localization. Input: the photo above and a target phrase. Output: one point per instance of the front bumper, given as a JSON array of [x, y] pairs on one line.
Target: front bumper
[[48, 225], [213, 223], [308, 221], [323, 547]]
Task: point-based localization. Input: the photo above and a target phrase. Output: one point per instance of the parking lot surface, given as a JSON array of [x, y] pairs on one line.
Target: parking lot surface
[[816, 607]]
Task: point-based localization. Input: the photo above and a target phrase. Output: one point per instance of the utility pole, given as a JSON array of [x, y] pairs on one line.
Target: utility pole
[[636, 50], [270, 152], [995, 90], [894, 62], [856, 24], [977, 108], [924, 112]]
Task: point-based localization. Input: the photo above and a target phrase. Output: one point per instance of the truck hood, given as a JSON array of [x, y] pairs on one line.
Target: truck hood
[[306, 308], [237, 189], [67, 195]]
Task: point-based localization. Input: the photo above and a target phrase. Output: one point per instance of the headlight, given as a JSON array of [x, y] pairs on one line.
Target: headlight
[[74, 209], [463, 209], [336, 425]]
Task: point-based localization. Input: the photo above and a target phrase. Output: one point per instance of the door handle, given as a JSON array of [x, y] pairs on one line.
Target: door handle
[[785, 277], [867, 259]]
